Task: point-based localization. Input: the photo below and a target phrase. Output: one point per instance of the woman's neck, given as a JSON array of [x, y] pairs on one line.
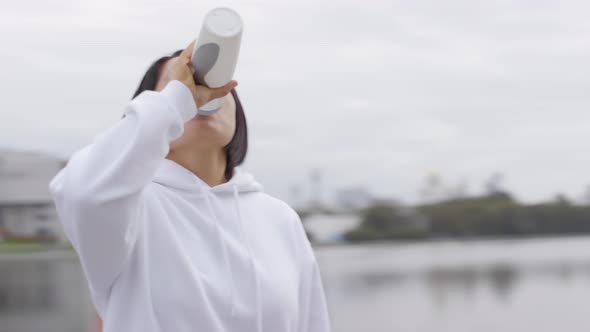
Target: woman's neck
[[208, 165]]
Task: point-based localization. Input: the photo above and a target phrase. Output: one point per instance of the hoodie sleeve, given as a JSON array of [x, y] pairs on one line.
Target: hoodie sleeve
[[313, 309], [98, 194]]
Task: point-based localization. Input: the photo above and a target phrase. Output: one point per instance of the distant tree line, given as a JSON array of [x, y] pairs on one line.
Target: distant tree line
[[494, 215]]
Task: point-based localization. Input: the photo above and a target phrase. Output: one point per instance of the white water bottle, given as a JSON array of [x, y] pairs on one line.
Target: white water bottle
[[216, 51]]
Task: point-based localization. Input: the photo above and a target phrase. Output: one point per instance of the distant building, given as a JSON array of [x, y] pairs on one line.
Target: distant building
[[26, 206], [325, 228], [316, 202], [354, 198]]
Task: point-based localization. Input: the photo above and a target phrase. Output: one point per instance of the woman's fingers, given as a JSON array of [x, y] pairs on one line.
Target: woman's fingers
[[224, 90], [187, 53]]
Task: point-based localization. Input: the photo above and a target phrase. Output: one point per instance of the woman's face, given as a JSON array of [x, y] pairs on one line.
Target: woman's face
[[206, 131]]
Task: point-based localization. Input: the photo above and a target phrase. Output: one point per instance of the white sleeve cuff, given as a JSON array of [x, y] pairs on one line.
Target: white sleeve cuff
[[181, 99]]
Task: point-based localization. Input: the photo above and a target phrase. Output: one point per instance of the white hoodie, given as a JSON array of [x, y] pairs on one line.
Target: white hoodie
[[163, 251]]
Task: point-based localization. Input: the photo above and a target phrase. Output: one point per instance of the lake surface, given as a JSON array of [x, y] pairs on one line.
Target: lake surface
[[538, 285], [518, 285]]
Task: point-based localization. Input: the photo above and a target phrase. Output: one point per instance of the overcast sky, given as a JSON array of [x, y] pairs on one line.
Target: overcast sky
[[377, 93]]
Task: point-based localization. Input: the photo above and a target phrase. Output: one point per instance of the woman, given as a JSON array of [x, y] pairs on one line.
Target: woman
[[172, 235]]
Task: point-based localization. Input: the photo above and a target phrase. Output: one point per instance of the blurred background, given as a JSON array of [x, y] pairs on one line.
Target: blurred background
[[435, 150]]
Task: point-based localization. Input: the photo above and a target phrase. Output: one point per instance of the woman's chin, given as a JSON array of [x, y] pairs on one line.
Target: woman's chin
[[202, 117], [201, 121]]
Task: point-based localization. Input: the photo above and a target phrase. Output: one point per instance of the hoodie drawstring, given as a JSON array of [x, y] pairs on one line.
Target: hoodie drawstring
[[228, 270], [251, 257]]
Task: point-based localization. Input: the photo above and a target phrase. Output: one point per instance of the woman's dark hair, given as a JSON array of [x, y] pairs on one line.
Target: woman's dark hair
[[237, 148]]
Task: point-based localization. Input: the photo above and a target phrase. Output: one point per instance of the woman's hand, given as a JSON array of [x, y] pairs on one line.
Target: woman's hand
[[181, 69]]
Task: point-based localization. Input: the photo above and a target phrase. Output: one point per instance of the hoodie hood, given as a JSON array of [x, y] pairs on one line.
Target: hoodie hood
[[174, 175]]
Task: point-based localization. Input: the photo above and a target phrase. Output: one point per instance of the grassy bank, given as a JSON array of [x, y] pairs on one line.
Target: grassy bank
[[20, 246]]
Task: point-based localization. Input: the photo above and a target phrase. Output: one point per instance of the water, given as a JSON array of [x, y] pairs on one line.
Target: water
[[535, 285], [45, 292], [486, 286]]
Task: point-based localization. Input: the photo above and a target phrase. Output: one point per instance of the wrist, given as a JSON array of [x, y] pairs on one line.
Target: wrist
[[180, 98]]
